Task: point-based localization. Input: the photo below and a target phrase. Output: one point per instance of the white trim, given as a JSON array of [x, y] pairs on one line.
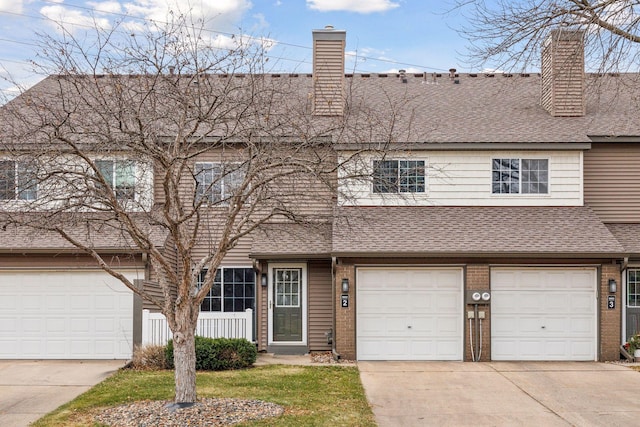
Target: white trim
[[271, 304], [520, 193], [623, 302], [255, 287], [399, 194]]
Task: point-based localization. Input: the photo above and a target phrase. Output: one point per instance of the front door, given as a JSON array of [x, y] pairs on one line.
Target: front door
[[633, 302], [287, 304]]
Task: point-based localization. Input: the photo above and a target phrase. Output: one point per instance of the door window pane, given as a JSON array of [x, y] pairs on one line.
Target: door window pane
[[288, 283], [633, 288]]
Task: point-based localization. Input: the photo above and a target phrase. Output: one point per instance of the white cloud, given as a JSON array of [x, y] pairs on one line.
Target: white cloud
[[105, 6], [360, 6], [222, 41], [261, 23], [221, 15], [71, 20], [11, 6]]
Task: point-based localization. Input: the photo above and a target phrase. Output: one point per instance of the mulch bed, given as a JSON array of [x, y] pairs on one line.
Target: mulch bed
[[206, 412]]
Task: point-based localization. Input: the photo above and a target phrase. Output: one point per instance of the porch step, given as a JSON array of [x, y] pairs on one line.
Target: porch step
[[288, 349]]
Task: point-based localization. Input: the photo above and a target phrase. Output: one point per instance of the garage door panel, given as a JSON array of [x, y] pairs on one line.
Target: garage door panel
[[558, 349], [55, 348], [419, 300], [421, 325], [372, 325], [449, 325], [582, 325], [447, 301], [448, 350], [395, 301], [30, 326], [415, 310], [581, 349], [394, 325], [505, 346], [581, 303], [55, 325], [543, 314]]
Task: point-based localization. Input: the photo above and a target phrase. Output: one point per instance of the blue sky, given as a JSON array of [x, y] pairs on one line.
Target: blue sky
[[387, 35]]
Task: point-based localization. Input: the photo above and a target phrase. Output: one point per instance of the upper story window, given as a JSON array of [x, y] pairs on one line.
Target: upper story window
[[520, 176], [214, 184], [18, 180], [399, 176], [120, 175]]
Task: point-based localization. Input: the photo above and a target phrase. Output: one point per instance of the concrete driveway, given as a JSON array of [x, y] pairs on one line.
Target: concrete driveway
[[29, 389], [502, 393]]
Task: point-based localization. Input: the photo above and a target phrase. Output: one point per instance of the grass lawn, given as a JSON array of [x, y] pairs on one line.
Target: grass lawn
[[311, 395]]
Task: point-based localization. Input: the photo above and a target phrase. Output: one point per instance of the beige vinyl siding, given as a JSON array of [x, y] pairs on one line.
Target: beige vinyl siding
[[563, 74], [328, 73], [612, 181], [236, 257], [320, 305], [153, 289], [151, 285], [463, 178]]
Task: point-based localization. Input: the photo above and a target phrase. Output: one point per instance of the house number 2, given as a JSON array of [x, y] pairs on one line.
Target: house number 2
[[344, 300]]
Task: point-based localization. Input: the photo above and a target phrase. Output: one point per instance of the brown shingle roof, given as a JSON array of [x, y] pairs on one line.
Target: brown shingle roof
[[627, 235], [291, 240], [499, 109], [477, 109], [103, 235], [472, 231]]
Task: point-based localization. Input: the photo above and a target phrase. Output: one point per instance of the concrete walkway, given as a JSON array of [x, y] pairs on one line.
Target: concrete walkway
[[30, 389], [502, 394]]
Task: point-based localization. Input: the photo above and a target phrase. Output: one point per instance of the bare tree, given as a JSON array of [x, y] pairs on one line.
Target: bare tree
[[509, 34], [166, 144]]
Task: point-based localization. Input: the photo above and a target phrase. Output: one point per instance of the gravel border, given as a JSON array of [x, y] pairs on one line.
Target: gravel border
[[206, 412]]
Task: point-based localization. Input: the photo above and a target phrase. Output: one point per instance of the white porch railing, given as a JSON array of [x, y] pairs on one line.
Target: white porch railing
[[155, 330]]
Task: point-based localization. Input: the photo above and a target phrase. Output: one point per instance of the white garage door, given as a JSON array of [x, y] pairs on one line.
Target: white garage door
[[543, 314], [409, 313], [65, 315]]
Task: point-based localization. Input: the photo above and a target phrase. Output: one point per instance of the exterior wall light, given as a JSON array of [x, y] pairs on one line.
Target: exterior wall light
[[345, 286], [263, 279], [613, 286]]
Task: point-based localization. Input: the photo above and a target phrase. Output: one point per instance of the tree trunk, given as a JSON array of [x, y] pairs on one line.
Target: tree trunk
[[184, 359]]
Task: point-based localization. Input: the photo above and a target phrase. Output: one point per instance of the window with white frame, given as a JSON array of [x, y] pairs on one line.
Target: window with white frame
[[215, 183], [520, 176], [288, 286], [233, 290], [18, 180], [120, 175], [399, 176], [633, 287]]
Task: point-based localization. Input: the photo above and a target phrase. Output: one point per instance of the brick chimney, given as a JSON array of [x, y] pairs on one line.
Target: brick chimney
[[563, 73], [328, 71]]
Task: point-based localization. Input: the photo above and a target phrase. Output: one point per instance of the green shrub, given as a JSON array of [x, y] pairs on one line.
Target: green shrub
[[219, 354]]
